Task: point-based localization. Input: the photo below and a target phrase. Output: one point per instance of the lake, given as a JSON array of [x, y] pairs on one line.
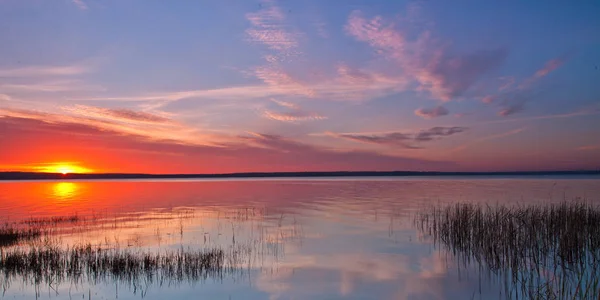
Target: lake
[[327, 238]]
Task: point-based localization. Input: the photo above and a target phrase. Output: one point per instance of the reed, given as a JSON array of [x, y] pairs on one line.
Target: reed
[[11, 235], [542, 252], [53, 265], [53, 220]]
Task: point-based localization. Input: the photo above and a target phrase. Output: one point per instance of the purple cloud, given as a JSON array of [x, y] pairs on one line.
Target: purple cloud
[[424, 60], [429, 113], [400, 139], [511, 109]]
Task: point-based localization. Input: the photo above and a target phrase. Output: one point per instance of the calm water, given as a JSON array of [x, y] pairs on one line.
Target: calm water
[[303, 239]]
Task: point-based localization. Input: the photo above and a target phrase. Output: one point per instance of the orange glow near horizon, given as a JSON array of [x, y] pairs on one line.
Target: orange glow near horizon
[[62, 168]]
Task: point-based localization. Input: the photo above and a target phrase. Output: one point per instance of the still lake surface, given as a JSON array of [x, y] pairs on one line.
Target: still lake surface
[[327, 238]]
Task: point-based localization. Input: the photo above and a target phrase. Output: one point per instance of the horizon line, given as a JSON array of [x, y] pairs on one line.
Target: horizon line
[[20, 175]]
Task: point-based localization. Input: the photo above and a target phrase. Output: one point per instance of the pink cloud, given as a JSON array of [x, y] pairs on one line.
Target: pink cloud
[[80, 4], [489, 99], [24, 134], [268, 28], [511, 109], [424, 60], [278, 78], [507, 83], [285, 104], [125, 115], [349, 75], [53, 86], [550, 66], [293, 116], [429, 113], [36, 71], [118, 121], [589, 148]]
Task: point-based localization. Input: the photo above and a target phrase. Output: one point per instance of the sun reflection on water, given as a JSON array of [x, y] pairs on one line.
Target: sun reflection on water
[[65, 191]]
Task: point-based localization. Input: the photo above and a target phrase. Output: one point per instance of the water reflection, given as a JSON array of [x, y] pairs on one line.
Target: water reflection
[[65, 191], [301, 239]]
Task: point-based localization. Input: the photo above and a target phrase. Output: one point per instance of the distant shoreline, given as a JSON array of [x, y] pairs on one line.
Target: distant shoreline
[[5, 176]]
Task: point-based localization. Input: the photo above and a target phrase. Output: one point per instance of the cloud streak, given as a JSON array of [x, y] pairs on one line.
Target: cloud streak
[[37, 71], [424, 60], [488, 138], [80, 4], [511, 100], [401, 139], [109, 150], [268, 28], [550, 66], [294, 116], [124, 115], [117, 121], [294, 113], [53, 86], [429, 113]]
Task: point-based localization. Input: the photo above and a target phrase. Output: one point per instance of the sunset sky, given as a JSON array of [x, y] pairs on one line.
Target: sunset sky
[[239, 86]]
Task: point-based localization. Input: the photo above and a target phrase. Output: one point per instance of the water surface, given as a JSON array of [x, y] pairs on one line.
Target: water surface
[[349, 238]]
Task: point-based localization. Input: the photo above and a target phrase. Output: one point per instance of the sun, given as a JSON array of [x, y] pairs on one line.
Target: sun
[[63, 168]]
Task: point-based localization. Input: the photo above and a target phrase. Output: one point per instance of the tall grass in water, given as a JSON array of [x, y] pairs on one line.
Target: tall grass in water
[[53, 265], [540, 252], [11, 235]]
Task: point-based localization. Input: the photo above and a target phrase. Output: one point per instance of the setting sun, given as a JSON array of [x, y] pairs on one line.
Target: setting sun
[[63, 168]]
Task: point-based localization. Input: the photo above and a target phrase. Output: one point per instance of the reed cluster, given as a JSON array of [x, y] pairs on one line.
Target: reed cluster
[[52, 220], [11, 235], [53, 265], [541, 252]]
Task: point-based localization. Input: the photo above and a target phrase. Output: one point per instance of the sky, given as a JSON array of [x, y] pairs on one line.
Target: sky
[[243, 86]]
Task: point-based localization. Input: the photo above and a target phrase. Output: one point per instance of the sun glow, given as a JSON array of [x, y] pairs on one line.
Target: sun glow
[[63, 168], [64, 191]]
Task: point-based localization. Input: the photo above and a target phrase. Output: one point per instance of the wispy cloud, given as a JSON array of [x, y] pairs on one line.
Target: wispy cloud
[[279, 79], [550, 66], [589, 148], [397, 139], [285, 104], [52, 86], [507, 83], [293, 116], [488, 138], [437, 132], [36, 71], [258, 152], [125, 115], [512, 99], [401, 139], [80, 4], [4, 97], [425, 60], [118, 121], [580, 113], [511, 109], [268, 28], [321, 28], [351, 84], [429, 113]]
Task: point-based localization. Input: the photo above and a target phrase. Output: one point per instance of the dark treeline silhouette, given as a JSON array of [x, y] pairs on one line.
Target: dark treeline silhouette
[[58, 176]]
